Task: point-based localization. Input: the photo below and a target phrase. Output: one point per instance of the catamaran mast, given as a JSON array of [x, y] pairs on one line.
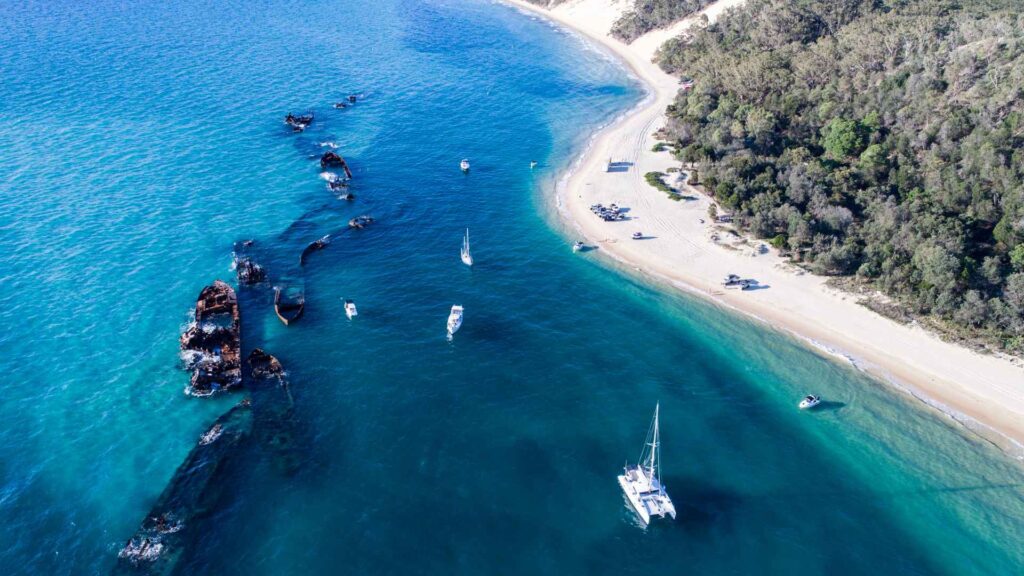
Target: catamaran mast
[[652, 465]]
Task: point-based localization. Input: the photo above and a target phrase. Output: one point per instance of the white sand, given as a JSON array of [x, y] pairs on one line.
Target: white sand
[[971, 387]]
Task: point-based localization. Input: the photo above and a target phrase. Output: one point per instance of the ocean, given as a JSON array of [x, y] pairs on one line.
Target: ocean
[[139, 142]]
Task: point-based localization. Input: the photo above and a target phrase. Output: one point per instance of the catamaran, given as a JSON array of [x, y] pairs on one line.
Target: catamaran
[[467, 258], [642, 483], [454, 320]]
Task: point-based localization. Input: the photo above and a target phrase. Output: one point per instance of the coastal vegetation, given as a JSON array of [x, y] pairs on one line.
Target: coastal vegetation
[[657, 180], [647, 15], [880, 141]]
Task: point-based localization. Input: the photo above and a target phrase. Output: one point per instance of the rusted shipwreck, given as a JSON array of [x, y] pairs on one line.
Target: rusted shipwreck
[[299, 122], [313, 246], [196, 487], [360, 222], [289, 305], [332, 160], [263, 423], [211, 346], [249, 272]]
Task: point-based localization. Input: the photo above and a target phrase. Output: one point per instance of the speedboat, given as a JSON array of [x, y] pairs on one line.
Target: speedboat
[[533, 164], [638, 235], [454, 320], [641, 483], [464, 165], [350, 309], [810, 401], [577, 246]]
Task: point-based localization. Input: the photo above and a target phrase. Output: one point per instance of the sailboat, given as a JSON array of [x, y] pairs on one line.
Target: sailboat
[[642, 483], [467, 258], [454, 321]]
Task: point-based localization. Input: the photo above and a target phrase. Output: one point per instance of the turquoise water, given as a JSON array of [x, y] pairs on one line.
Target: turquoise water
[[137, 144]]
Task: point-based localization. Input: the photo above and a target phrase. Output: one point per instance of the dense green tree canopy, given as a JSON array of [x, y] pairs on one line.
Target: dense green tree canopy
[[880, 139], [648, 15]]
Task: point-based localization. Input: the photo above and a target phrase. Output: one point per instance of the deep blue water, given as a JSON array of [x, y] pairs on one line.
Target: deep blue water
[[139, 142]]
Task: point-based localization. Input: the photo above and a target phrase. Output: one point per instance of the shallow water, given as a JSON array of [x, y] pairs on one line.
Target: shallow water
[[136, 145]]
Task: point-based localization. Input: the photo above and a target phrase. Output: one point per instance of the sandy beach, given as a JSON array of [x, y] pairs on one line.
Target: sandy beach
[[681, 247]]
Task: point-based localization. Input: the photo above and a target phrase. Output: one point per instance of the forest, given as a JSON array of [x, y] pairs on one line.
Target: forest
[[878, 141], [648, 15]]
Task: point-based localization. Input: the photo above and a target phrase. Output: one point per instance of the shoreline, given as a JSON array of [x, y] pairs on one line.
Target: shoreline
[[984, 394]]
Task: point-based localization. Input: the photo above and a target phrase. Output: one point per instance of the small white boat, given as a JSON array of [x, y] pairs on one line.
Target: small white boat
[[810, 401], [467, 258], [464, 165], [454, 320], [577, 246], [638, 235], [642, 483], [533, 164], [350, 309]]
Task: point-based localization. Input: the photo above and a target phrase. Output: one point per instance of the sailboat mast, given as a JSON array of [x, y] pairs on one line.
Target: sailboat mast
[[652, 467]]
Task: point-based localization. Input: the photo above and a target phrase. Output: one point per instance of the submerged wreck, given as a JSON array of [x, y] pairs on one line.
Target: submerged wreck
[[246, 268], [332, 159], [299, 122], [313, 247], [289, 307], [337, 183], [273, 408], [249, 272], [206, 479], [211, 346], [197, 485], [360, 222]]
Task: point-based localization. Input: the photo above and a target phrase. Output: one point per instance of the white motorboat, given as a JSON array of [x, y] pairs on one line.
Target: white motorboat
[[350, 309], [454, 320], [810, 401], [467, 258], [577, 246], [464, 165], [641, 483]]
